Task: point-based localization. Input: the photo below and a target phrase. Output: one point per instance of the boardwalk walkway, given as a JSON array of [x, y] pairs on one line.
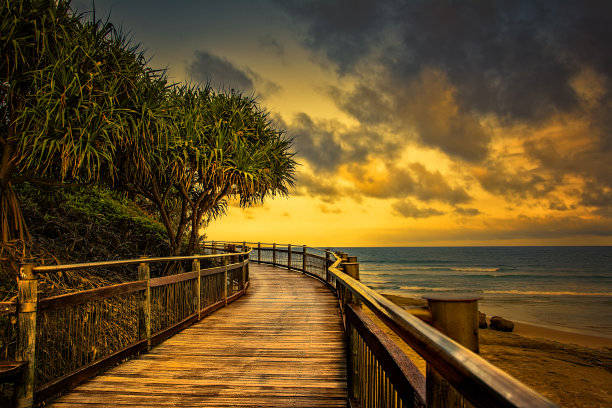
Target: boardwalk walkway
[[278, 346]]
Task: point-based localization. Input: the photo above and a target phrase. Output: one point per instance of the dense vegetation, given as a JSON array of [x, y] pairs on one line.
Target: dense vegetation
[[100, 157]]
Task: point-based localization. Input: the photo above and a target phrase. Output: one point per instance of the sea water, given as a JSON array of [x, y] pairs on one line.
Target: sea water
[[566, 288]]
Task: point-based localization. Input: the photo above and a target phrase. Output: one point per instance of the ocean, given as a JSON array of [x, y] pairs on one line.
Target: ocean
[[565, 288]]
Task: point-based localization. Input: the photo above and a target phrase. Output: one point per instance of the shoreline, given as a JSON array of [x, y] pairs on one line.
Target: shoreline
[[571, 369], [525, 329], [561, 336]]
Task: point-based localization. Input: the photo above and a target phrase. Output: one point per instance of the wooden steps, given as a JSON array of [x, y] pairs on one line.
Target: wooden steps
[[281, 345]]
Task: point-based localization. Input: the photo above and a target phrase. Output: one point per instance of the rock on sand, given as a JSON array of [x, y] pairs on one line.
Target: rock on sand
[[501, 324]]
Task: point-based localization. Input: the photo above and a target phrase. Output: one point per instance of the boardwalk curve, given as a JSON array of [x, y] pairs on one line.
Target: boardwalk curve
[[281, 345]]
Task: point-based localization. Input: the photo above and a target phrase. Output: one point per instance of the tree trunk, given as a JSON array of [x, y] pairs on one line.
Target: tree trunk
[[12, 223]]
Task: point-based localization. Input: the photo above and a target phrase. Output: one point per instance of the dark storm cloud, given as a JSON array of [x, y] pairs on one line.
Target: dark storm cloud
[[515, 184], [326, 145], [221, 73], [513, 59], [343, 30]]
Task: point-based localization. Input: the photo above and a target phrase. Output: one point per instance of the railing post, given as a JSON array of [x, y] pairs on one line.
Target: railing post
[[245, 270], [351, 268], [26, 342], [327, 265], [195, 266], [289, 256], [274, 254], [144, 315], [225, 280], [243, 246], [259, 252], [457, 317], [304, 258], [213, 244]]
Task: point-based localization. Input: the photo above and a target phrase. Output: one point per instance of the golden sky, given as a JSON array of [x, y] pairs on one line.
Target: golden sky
[[415, 123]]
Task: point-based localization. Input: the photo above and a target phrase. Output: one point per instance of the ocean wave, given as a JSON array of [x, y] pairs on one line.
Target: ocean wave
[[427, 288], [546, 293], [474, 269]]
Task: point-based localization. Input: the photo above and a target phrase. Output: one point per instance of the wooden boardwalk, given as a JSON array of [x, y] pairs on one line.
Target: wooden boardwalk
[[281, 345]]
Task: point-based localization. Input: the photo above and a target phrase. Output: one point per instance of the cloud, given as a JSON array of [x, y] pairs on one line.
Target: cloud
[[328, 144], [514, 59], [467, 212], [321, 187], [221, 73], [342, 29], [424, 108], [386, 180], [516, 93], [409, 210], [329, 210]]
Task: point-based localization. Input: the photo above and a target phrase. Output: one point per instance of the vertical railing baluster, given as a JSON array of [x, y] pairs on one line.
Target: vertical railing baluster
[[304, 258], [196, 267], [289, 256], [27, 298], [225, 280], [274, 254], [328, 263], [259, 252], [144, 315]]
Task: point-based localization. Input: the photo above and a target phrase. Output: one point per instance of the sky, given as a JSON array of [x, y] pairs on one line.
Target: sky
[[415, 123]]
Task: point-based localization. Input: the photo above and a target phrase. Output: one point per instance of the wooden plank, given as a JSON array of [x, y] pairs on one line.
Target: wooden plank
[[72, 299], [71, 379], [279, 345]]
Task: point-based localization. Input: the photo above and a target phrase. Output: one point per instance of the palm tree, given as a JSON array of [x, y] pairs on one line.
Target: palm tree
[[219, 146], [68, 89]]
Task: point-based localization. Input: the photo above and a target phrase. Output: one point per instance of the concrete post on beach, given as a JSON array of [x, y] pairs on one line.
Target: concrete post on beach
[[457, 317]]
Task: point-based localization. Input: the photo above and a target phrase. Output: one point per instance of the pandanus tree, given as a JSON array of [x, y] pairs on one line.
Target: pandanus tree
[[220, 146], [72, 94]]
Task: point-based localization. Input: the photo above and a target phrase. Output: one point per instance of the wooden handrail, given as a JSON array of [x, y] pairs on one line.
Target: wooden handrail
[[179, 312], [71, 267], [481, 383]]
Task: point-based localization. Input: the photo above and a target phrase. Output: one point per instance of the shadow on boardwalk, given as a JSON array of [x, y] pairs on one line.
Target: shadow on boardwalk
[[281, 345]]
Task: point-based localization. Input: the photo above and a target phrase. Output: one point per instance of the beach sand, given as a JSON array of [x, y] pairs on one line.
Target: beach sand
[[571, 369]]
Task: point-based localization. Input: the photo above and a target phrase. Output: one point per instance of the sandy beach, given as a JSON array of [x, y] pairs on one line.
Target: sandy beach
[[571, 369]]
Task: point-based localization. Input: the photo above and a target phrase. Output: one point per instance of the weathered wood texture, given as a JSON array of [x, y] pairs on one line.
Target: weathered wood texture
[[281, 345]]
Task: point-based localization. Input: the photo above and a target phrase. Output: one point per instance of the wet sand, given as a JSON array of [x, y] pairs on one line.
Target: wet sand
[[571, 369]]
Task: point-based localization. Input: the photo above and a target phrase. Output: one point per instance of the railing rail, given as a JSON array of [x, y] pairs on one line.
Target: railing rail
[[67, 338], [379, 374]]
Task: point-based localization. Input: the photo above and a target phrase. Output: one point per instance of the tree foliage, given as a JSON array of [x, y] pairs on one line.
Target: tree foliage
[[80, 105], [223, 146], [68, 89]]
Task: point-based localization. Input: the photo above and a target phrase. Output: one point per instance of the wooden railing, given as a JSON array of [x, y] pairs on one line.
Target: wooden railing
[[379, 372], [67, 338]]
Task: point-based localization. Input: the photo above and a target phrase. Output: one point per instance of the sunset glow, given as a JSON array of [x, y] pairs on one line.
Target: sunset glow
[[415, 123]]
